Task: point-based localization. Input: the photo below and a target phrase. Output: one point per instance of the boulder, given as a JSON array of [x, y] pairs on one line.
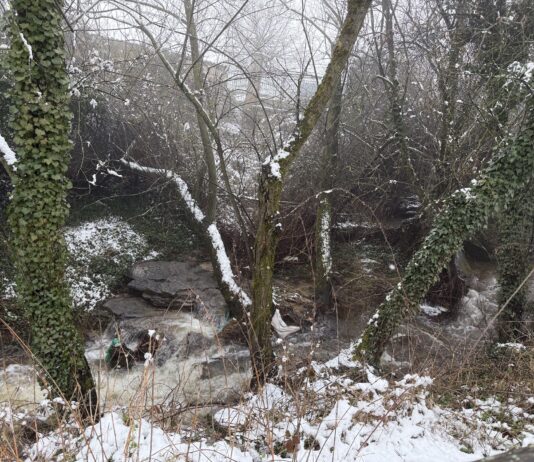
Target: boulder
[[223, 366], [175, 285], [194, 344], [127, 307]]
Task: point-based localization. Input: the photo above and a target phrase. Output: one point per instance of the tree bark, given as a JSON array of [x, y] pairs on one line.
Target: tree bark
[[515, 235], [448, 83], [41, 124], [465, 212], [394, 96], [323, 220], [209, 157], [273, 173]]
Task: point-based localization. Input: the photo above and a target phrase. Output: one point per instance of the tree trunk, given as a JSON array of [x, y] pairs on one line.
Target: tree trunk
[[448, 83], [273, 172], [41, 123], [465, 212], [395, 100], [515, 234], [323, 220], [209, 158]]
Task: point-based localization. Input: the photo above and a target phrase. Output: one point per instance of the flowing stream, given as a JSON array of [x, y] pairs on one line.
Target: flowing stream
[[194, 366]]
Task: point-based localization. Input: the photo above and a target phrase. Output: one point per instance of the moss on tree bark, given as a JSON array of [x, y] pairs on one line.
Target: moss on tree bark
[[270, 190]]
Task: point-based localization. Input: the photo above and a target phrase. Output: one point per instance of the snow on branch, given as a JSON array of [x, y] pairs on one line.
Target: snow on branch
[[8, 153], [223, 262], [198, 215], [27, 46], [272, 163], [225, 267]]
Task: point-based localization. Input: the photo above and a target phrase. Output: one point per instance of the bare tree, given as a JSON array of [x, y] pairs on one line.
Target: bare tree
[[272, 177]]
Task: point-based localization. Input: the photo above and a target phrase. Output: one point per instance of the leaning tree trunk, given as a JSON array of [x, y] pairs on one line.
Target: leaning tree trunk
[[515, 234], [273, 173], [323, 220], [41, 124], [465, 212]]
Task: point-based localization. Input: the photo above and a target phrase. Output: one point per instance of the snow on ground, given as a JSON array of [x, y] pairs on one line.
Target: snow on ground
[[332, 417], [432, 310], [99, 249]]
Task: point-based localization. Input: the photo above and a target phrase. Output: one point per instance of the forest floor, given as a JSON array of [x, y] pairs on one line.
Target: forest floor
[[335, 411]]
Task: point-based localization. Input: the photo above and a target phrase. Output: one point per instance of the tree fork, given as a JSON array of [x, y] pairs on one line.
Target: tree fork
[[270, 190]]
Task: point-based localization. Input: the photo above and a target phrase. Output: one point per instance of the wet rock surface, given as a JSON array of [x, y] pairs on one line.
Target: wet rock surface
[[179, 304], [127, 306], [175, 285]]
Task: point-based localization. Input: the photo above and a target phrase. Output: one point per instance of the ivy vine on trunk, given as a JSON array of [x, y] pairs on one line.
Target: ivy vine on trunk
[[466, 211], [40, 120], [515, 236]]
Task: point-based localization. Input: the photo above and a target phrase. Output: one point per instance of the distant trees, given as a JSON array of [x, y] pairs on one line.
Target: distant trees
[[41, 123]]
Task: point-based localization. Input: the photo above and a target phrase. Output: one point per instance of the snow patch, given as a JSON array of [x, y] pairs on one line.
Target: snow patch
[[27, 46], [9, 155], [109, 239], [431, 310]]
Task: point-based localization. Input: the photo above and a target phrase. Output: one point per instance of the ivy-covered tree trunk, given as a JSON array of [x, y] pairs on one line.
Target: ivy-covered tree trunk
[[502, 45], [323, 220], [515, 234], [465, 212], [41, 124], [272, 176]]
